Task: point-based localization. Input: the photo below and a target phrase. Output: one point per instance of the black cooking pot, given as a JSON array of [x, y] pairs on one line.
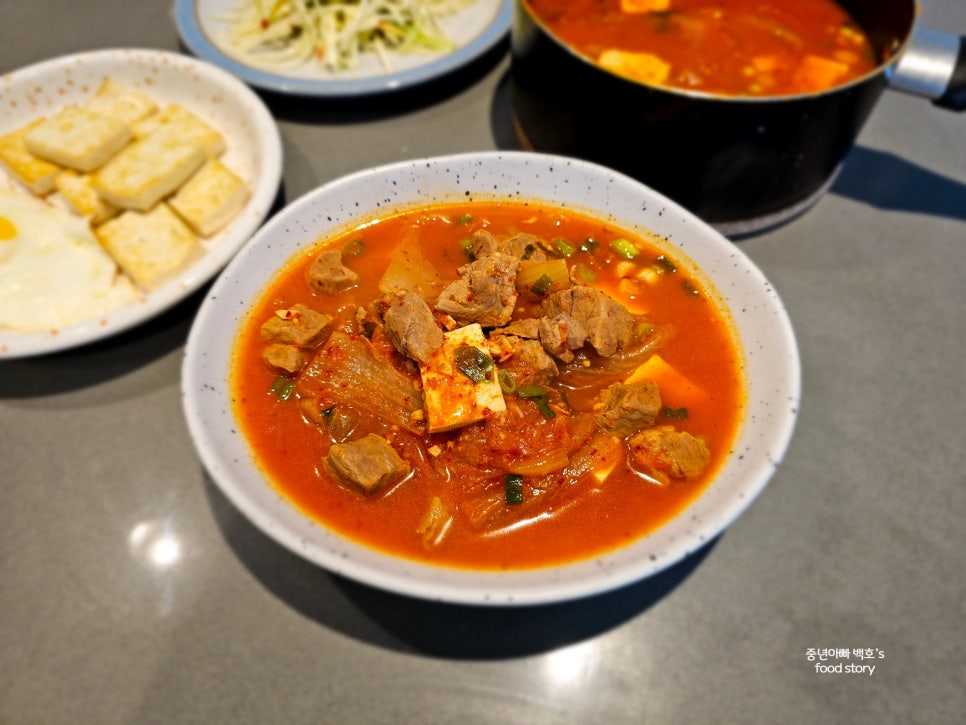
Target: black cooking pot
[[742, 164]]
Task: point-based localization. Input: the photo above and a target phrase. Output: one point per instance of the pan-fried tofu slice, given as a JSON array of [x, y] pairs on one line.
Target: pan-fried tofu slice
[[211, 198], [121, 102], [79, 192], [77, 138], [451, 398], [35, 173], [149, 247], [185, 124], [148, 170]]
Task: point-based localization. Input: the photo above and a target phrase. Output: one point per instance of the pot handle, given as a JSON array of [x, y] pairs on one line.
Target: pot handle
[[934, 66]]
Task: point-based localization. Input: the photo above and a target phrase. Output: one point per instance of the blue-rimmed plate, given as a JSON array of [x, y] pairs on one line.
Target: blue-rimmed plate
[[475, 30]]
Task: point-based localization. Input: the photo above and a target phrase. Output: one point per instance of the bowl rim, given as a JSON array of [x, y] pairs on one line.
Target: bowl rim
[[202, 387]]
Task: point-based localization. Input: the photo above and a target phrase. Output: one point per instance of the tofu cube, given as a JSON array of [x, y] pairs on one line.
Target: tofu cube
[[183, 123], [148, 170], [676, 387], [121, 102], [645, 6], [77, 138], [451, 399], [644, 67], [35, 173], [149, 247], [211, 198], [79, 192]]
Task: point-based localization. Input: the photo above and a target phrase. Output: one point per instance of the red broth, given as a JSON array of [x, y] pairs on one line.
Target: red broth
[[461, 472], [727, 47]]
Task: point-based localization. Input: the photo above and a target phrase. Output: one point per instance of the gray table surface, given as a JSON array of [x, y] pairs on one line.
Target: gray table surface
[[856, 543]]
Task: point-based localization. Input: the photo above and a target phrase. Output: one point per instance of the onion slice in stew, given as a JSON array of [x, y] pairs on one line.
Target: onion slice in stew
[[607, 370], [546, 462]]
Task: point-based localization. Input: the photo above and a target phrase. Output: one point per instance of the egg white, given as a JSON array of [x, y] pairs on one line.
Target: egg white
[[53, 272]]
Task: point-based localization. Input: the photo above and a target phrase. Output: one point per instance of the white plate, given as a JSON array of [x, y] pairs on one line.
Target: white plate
[[770, 357], [254, 153], [475, 31]]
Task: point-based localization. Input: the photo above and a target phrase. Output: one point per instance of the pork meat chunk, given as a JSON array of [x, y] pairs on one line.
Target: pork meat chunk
[[284, 357], [528, 328], [609, 325], [525, 359], [485, 292], [367, 464], [410, 325], [561, 335], [525, 247], [521, 246], [327, 273], [669, 453], [627, 408], [297, 325]]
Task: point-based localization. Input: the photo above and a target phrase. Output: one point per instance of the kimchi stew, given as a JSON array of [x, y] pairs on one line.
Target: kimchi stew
[[488, 385]]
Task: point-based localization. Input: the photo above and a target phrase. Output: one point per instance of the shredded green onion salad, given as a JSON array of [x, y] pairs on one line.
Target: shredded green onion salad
[[287, 33]]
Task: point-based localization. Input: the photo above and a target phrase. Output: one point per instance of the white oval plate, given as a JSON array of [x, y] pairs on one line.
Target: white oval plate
[[475, 31], [771, 366], [254, 152]]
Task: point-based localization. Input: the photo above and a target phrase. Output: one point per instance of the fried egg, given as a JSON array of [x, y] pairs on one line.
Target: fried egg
[[53, 272]]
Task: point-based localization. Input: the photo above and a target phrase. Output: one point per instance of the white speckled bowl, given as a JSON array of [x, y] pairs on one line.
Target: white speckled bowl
[[771, 367], [254, 152]]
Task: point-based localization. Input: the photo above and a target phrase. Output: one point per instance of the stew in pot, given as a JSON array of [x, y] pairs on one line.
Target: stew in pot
[[723, 47]]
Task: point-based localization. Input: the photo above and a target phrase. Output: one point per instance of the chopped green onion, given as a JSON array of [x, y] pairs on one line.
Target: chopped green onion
[[538, 394], [678, 413], [354, 248], [585, 273], [544, 406], [668, 265], [542, 285], [282, 388], [588, 245], [466, 244], [473, 363], [465, 219], [690, 288], [531, 391], [642, 330], [624, 248], [508, 383], [513, 488], [563, 247]]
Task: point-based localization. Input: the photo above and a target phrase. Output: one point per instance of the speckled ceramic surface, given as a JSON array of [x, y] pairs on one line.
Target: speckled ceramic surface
[[771, 367], [474, 30], [254, 152]]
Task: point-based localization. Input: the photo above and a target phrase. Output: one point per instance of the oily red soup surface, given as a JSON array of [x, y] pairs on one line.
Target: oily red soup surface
[[728, 47], [577, 518]]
